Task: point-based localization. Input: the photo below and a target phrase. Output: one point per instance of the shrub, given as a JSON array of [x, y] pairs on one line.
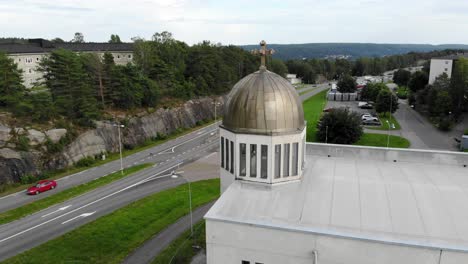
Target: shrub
[[85, 162], [339, 126], [27, 179], [402, 92], [445, 124], [466, 132], [23, 143]]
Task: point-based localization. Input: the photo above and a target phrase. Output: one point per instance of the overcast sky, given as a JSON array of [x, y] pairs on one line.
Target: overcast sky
[[241, 21]]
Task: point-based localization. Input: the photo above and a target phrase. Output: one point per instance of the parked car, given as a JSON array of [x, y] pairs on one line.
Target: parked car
[[368, 117], [365, 105], [371, 122], [42, 186]]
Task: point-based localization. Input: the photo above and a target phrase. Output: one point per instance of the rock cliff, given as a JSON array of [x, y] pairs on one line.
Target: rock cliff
[[102, 139]]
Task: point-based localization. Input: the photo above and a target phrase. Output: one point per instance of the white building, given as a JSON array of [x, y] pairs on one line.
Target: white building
[[287, 202], [443, 65], [28, 55], [293, 79]]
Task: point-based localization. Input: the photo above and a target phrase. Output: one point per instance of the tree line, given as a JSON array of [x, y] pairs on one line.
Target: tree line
[[82, 86], [310, 69]]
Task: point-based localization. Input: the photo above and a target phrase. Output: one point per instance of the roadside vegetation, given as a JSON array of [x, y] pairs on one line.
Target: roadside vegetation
[[90, 162], [402, 92], [111, 238], [380, 140], [313, 108], [185, 247], [386, 121], [67, 194]]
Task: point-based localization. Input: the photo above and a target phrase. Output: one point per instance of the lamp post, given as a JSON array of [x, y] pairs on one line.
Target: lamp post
[[120, 146], [176, 175], [215, 104]]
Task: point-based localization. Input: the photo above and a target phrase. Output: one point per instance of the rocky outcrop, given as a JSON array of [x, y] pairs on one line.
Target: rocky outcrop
[[14, 164], [5, 135], [104, 138]]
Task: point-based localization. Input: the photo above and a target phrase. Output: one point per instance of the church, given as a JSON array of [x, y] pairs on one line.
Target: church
[[286, 201]]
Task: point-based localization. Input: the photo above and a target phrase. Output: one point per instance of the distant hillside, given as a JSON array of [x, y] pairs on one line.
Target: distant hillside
[[349, 50]]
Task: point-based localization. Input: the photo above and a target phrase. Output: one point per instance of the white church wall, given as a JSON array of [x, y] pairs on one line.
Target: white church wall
[[230, 243]]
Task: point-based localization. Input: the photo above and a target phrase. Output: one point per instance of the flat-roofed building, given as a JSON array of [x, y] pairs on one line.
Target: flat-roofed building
[[285, 201], [28, 55], [441, 65]]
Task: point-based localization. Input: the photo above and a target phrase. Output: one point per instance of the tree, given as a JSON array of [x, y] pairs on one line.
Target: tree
[[386, 102], [11, 87], [278, 67], [78, 38], [57, 40], [115, 39], [418, 81], [459, 87], [401, 77], [339, 126], [346, 84], [372, 90]]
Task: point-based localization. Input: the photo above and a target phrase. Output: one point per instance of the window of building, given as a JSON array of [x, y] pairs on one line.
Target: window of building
[[303, 152], [245, 262], [446, 69], [29, 60], [222, 152], [232, 157], [19, 59], [253, 160], [286, 160], [227, 154], [118, 56], [446, 62], [129, 56], [30, 70], [295, 154], [37, 59], [242, 159], [277, 160], [264, 162]]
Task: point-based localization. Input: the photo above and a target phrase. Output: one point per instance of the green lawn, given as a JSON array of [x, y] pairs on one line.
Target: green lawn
[[62, 196], [9, 189], [313, 108], [181, 250], [111, 238], [380, 140], [385, 125]]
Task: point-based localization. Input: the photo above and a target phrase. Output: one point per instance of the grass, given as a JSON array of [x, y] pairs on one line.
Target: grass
[[181, 250], [111, 238], [402, 92], [380, 140], [9, 189], [385, 125], [62, 196], [313, 109]]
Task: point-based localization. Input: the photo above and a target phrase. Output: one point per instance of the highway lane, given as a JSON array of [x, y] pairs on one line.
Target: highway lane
[[40, 227], [168, 151]]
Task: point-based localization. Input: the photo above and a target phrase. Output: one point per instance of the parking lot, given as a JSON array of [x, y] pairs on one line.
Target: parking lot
[[351, 105]]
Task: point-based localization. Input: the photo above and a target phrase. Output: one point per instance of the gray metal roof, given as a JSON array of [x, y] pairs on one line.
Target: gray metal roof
[[44, 46], [419, 199], [263, 103]]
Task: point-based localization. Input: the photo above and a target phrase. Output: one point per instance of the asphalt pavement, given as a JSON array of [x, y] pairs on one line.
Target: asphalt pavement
[[35, 229], [161, 154]]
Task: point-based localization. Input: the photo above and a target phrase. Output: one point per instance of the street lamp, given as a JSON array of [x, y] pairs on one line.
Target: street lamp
[[120, 146], [176, 175], [215, 104]]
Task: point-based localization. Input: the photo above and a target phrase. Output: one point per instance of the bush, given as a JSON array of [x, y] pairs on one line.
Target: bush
[[23, 143], [27, 179], [402, 92], [339, 126], [445, 124], [466, 132], [85, 162]]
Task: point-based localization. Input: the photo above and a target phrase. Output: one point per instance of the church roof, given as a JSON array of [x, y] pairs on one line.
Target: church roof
[[405, 197], [263, 103]]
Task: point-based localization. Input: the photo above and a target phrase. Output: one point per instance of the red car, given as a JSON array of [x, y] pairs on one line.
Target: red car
[[42, 186]]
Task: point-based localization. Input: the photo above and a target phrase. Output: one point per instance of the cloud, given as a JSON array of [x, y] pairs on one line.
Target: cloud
[[242, 21]]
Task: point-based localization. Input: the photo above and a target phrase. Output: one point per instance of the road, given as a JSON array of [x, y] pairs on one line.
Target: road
[[168, 150], [33, 230], [320, 88]]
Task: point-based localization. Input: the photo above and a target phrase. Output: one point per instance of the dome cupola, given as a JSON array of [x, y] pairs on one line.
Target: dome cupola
[[262, 136]]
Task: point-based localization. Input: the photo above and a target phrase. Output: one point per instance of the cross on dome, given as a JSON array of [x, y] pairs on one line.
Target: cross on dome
[[263, 53]]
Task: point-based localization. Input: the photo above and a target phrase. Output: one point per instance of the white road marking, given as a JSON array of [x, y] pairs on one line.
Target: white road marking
[[80, 216], [58, 210], [91, 203], [172, 149]]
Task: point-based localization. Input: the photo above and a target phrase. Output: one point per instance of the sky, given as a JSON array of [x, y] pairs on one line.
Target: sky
[[241, 21]]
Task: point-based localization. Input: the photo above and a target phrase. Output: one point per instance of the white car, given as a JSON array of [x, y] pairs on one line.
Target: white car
[[368, 117]]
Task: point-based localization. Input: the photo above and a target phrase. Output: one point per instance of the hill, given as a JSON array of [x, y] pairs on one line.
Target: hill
[[349, 50]]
